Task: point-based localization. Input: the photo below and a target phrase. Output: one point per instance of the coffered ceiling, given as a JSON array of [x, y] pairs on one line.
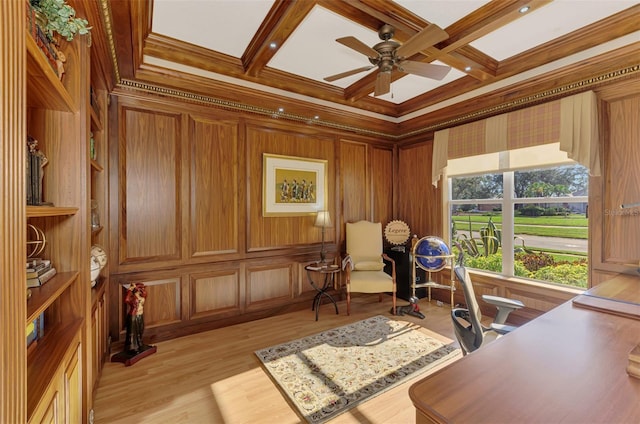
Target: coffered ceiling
[[283, 49]]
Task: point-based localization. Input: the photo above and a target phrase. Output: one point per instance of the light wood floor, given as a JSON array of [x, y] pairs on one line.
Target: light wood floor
[[214, 377]]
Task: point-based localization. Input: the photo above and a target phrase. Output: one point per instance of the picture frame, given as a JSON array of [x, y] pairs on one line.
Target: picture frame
[[293, 186]]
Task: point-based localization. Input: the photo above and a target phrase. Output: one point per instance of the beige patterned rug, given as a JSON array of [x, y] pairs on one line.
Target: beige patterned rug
[[328, 373]]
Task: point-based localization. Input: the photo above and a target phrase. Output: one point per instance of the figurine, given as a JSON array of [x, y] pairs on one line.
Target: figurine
[[134, 347], [135, 298]]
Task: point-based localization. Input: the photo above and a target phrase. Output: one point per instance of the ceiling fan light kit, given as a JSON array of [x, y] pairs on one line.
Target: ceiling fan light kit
[[388, 54]]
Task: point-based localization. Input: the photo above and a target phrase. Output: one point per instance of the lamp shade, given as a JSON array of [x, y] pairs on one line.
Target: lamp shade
[[323, 219]]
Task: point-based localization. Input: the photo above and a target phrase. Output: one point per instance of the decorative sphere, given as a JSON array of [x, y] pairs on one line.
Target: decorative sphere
[[99, 253], [429, 253], [98, 261]]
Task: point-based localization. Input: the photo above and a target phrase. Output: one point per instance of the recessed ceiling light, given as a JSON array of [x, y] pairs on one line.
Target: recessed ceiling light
[[273, 45], [316, 117], [468, 68], [280, 109], [524, 9]]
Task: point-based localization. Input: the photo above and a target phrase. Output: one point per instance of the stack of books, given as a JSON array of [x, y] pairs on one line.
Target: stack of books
[[39, 271]]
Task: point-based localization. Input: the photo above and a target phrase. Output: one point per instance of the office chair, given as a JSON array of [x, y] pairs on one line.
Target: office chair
[[364, 263], [467, 323]]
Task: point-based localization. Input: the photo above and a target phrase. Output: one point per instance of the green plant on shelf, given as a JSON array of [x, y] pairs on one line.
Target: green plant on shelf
[[60, 18]]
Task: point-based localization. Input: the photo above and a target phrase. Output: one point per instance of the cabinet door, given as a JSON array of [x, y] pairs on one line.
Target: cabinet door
[[50, 413], [73, 388]]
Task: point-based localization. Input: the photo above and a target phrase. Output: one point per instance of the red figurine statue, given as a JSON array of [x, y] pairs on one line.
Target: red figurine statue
[[134, 347]]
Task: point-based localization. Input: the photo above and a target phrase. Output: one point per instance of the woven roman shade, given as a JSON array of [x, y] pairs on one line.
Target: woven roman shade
[[571, 121]]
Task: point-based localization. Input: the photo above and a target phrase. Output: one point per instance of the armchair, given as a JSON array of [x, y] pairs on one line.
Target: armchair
[[364, 262], [470, 332]]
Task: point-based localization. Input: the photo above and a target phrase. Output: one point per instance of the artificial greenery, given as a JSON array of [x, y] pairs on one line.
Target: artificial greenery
[[61, 18]]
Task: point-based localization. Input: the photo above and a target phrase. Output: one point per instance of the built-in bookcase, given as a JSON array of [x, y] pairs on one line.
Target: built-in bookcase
[[57, 116]]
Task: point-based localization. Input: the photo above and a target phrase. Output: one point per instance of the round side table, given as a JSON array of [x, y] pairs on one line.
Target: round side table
[[326, 274]]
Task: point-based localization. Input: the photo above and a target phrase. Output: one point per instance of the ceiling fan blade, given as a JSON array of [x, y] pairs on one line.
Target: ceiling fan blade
[[347, 73], [426, 38], [429, 70], [359, 46], [383, 84]]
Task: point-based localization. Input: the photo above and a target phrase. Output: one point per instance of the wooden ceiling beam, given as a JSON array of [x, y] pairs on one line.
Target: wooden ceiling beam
[[485, 20], [281, 21]]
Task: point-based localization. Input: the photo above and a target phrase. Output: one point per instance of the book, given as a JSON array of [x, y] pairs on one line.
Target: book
[[47, 275], [37, 263], [41, 279], [38, 271], [35, 330]]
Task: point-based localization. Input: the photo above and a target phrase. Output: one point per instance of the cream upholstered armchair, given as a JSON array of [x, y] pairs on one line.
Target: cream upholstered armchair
[[364, 262]]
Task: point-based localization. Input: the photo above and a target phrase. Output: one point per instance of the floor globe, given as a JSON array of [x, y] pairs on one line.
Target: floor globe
[[431, 253]]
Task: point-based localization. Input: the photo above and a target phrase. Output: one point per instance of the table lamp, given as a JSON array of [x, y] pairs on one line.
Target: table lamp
[[323, 220]]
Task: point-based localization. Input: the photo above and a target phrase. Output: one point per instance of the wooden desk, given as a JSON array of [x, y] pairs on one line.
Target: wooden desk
[[568, 365]]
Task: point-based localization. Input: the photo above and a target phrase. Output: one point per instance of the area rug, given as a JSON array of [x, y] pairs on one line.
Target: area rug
[[328, 373]]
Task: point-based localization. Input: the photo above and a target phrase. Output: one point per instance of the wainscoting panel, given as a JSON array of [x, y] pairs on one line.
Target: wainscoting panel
[[382, 185], [268, 285], [622, 226], [214, 293], [214, 186], [149, 159], [277, 232], [163, 302], [419, 202], [353, 181]]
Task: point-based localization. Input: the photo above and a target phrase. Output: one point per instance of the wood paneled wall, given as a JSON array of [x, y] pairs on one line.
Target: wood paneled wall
[[614, 238], [187, 219]]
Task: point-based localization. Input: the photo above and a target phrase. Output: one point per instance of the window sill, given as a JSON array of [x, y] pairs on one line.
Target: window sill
[[560, 289]]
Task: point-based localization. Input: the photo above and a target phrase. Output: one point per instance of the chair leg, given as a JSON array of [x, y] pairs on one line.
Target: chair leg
[[394, 303], [348, 302]]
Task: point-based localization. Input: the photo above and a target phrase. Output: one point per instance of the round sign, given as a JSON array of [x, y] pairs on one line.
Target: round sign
[[397, 232]]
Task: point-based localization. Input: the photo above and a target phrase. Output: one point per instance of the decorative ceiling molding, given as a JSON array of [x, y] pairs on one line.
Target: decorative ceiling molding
[[105, 9], [544, 96]]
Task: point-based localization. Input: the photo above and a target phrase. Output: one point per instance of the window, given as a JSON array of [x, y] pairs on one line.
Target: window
[[521, 213]]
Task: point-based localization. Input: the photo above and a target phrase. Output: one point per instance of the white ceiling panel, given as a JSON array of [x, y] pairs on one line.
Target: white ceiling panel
[[545, 24], [226, 26], [312, 51]]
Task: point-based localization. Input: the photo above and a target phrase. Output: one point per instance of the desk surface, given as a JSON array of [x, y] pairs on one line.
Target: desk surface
[[568, 365]]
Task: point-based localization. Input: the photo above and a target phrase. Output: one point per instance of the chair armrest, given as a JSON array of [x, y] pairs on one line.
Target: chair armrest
[[347, 263], [502, 328], [502, 302], [393, 267], [505, 306]]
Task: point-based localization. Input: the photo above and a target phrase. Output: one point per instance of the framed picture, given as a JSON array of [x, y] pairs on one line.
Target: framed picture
[[293, 186]]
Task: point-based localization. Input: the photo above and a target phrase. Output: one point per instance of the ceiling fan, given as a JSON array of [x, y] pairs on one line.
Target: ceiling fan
[[388, 53]]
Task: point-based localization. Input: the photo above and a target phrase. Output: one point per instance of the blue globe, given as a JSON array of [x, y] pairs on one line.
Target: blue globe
[[434, 247]]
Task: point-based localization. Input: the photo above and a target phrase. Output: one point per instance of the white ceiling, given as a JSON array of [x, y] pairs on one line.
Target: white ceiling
[[227, 26]]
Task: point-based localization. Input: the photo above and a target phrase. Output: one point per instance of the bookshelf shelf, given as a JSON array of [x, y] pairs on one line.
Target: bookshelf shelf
[[45, 211], [44, 87], [42, 297]]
